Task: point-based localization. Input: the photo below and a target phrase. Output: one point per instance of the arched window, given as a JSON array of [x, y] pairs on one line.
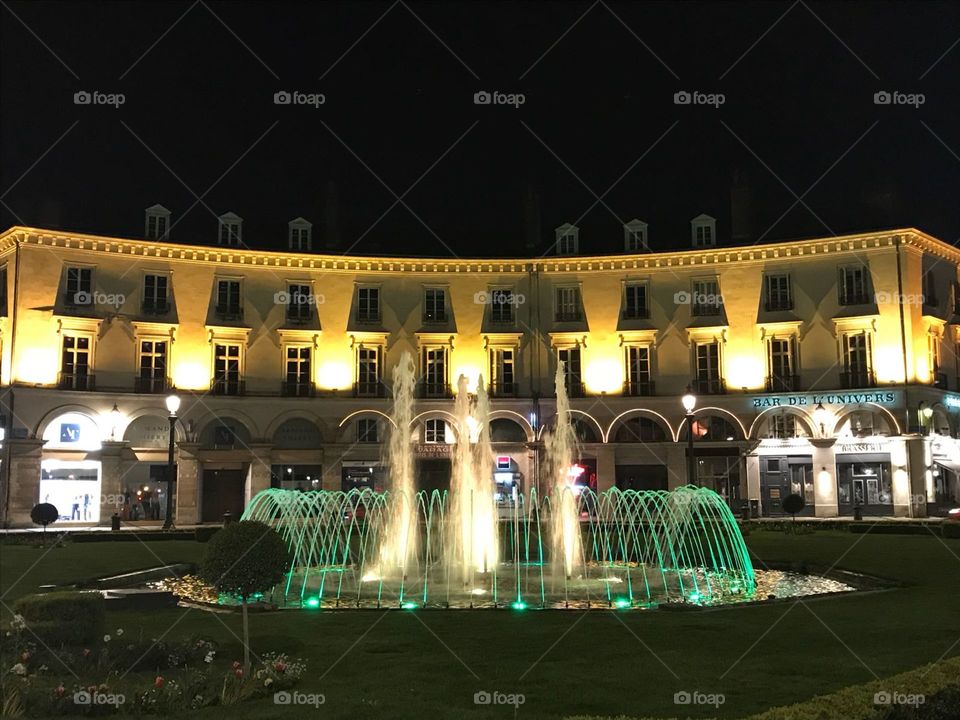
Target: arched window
[[503, 430], [710, 428], [640, 429]]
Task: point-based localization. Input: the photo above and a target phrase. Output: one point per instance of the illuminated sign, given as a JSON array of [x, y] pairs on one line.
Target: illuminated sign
[[811, 400], [503, 462]]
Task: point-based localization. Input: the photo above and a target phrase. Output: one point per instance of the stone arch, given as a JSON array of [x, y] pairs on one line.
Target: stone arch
[[580, 416], [203, 421], [517, 418], [628, 415], [286, 415], [56, 412], [940, 420], [507, 429], [714, 424], [153, 425], [296, 433], [211, 435], [420, 421], [876, 411], [155, 412]]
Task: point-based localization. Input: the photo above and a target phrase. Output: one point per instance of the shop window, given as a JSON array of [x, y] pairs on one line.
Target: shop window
[[73, 487]]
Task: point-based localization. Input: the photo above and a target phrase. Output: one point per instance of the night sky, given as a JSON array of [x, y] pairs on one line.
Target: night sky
[[798, 119]]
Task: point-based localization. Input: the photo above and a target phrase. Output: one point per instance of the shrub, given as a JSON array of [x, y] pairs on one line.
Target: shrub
[[63, 618], [951, 530], [204, 534]]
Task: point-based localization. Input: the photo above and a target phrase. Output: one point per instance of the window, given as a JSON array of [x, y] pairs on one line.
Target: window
[[227, 378], [434, 369], [852, 287], [299, 303], [75, 363], [635, 236], [368, 371], [156, 227], [635, 301], [783, 426], [637, 362], [502, 303], [228, 299], [152, 377], [857, 360], [568, 239], [778, 293], [782, 376], [570, 357], [704, 235], [502, 371], [929, 289], [434, 431], [709, 379], [368, 304], [155, 294], [937, 377], [367, 430], [568, 304], [3, 292], [79, 286], [434, 305], [300, 236], [229, 232], [299, 381], [706, 298]]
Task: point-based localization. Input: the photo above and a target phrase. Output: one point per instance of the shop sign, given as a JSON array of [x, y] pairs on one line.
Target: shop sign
[[433, 450], [811, 400], [859, 447]]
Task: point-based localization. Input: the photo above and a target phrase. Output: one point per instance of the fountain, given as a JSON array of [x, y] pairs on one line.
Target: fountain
[[569, 547]]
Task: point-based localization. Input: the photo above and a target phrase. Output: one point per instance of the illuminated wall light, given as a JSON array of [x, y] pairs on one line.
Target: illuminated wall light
[[191, 376], [604, 376], [38, 366], [888, 363], [471, 373], [746, 371], [335, 376]]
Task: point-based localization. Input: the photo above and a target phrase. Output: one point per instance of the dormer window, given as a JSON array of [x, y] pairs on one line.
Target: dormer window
[[703, 231], [157, 225], [300, 235], [635, 236], [230, 229], [568, 239]]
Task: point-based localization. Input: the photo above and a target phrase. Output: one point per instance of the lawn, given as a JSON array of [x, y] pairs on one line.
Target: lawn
[[413, 664]]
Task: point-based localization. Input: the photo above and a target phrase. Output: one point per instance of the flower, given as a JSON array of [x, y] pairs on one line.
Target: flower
[[19, 669], [158, 683], [106, 638], [86, 652], [208, 658], [268, 682], [280, 666], [18, 623], [238, 672], [25, 655], [236, 664], [59, 690], [119, 632]]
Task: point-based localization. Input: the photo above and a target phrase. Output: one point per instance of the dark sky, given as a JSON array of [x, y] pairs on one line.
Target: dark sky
[[798, 119]]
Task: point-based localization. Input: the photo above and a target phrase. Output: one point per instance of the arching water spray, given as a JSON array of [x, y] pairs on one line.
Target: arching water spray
[[560, 445]]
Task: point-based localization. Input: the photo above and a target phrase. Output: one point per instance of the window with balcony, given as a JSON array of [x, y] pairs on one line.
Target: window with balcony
[[368, 304], [79, 290], [502, 375], [298, 380], [155, 295], [706, 300], [75, 363], [709, 376], [573, 379], [777, 293], [152, 376], [434, 305], [367, 430], [368, 371], [930, 297], [856, 360], [639, 380], [781, 364], [852, 287], [227, 370], [299, 304], [502, 303], [434, 370], [934, 362], [568, 307], [229, 306], [635, 301]]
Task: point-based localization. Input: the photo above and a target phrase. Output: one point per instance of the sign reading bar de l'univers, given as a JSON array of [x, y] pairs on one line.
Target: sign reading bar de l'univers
[[854, 397]]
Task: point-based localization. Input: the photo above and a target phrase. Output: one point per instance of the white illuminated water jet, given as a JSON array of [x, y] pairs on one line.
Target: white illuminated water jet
[[559, 445], [401, 531]]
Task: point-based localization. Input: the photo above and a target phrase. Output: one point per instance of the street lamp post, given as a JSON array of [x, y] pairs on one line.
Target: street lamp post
[[173, 404], [689, 401]]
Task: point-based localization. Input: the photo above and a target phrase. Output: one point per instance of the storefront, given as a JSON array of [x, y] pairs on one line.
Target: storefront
[[785, 475], [864, 478], [70, 480]]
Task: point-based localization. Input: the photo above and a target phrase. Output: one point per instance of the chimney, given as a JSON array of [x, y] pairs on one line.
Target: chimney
[[741, 209], [331, 216], [531, 220]]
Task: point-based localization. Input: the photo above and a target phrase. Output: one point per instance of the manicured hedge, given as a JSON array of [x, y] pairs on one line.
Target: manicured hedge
[[951, 529], [63, 618]]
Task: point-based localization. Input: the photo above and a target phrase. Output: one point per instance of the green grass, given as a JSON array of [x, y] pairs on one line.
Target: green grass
[[403, 664]]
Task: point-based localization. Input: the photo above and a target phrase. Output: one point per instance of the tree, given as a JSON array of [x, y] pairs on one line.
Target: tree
[[243, 559], [793, 504], [44, 514]]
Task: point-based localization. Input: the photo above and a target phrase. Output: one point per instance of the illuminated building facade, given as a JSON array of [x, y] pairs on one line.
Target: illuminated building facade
[[823, 367]]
